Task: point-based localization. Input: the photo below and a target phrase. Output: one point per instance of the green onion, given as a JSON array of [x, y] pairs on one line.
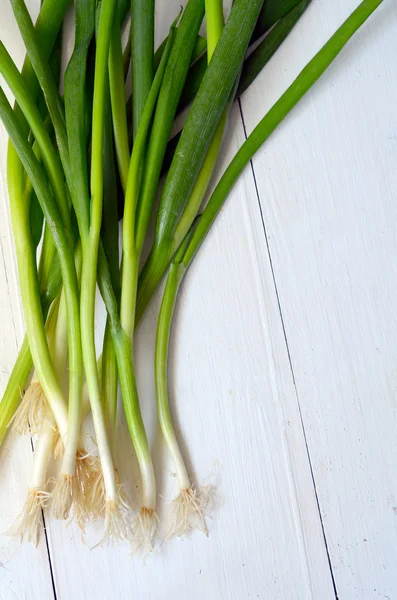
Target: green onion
[[189, 506], [27, 263], [145, 524], [110, 241], [48, 25], [190, 503], [114, 517], [56, 111]]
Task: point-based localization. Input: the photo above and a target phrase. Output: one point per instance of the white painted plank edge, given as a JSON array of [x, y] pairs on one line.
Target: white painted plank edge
[[327, 182]]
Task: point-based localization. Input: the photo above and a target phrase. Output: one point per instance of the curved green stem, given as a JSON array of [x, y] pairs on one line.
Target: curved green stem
[[91, 245], [131, 250], [174, 279], [32, 115], [47, 26], [119, 106], [142, 17], [29, 278], [43, 73]]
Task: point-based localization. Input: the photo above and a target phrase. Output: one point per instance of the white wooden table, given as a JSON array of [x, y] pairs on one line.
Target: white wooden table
[[283, 358]]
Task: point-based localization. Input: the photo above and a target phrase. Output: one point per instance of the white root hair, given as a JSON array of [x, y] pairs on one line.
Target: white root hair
[[28, 524], [95, 493], [29, 415], [91, 496], [84, 491], [63, 496], [58, 447], [188, 512], [144, 531], [117, 526]]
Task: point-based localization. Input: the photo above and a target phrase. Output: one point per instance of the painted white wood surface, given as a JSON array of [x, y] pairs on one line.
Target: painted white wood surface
[[327, 185], [256, 429]]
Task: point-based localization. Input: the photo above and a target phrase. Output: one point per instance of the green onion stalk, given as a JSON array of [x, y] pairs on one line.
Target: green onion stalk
[[90, 229], [28, 418], [59, 220], [48, 25], [30, 285], [20, 215], [143, 176], [181, 517], [28, 524], [188, 508], [110, 242], [144, 529]]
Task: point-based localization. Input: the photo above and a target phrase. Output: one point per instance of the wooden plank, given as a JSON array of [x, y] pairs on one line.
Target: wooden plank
[[327, 181]]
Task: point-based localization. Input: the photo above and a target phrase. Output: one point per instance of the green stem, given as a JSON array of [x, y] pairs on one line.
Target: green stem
[[109, 384], [29, 278], [91, 245], [27, 104], [119, 106], [174, 77], [255, 62], [14, 392], [214, 18], [142, 17], [131, 250], [174, 279], [75, 112], [214, 14], [48, 24], [29, 284], [45, 78]]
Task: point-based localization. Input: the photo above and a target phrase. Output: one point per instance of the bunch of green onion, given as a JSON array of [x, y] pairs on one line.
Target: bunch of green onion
[[78, 164]]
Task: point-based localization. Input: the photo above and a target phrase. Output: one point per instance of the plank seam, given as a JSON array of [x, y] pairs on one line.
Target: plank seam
[[46, 541], [290, 363]]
